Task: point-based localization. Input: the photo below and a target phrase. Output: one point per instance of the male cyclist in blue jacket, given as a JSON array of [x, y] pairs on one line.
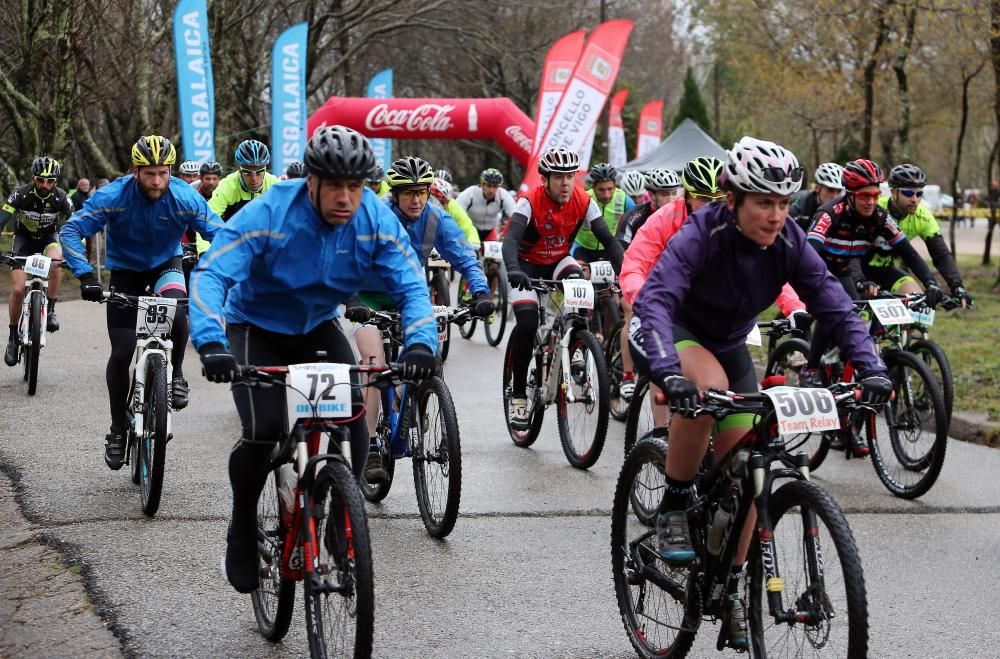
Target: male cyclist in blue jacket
[[428, 228], [143, 217], [276, 275]]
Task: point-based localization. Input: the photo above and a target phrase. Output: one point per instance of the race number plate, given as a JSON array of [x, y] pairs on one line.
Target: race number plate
[[441, 318], [891, 312], [754, 338], [319, 390], [37, 265], [925, 316], [602, 272], [493, 249], [155, 315], [803, 410], [579, 294]]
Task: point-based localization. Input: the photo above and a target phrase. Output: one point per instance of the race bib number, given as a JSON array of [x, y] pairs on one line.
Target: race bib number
[[754, 338], [891, 312], [493, 249], [602, 272], [318, 391], [37, 265], [441, 318], [579, 293], [803, 410], [155, 316], [924, 316]]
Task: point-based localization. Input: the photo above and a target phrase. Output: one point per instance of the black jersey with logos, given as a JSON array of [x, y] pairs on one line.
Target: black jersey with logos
[[36, 215]]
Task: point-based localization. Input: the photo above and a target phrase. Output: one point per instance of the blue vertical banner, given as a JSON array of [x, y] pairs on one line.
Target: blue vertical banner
[[195, 92], [288, 97], [380, 86]]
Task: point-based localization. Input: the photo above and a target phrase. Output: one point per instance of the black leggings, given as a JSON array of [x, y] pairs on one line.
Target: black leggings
[[262, 410], [820, 337], [164, 281]]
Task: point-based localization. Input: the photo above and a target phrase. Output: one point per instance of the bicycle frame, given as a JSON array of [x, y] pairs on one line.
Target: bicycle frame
[[34, 286], [555, 338], [146, 346]]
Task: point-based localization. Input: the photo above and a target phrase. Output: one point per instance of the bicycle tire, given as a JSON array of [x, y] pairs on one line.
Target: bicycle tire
[[343, 562], [495, 330], [468, 328], [524, 438], [375, 492], [440, 461], [441, 297], [937, 360], [597, 374], [274, 599], [787, 359], [638, 417], [616, 370], [34, 342], [132, 446], [153, 443], [660, 610], [917, 442], [815, 524]]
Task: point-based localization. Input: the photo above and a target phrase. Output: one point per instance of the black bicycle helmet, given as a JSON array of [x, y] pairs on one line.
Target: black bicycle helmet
[[408, 171], [491, 176], [295, 169], [339, 152], [45, 167], [210, 167], [907, 176], [603, 171]]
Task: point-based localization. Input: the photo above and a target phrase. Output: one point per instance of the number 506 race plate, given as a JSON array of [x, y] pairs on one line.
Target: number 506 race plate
[[803, 410]]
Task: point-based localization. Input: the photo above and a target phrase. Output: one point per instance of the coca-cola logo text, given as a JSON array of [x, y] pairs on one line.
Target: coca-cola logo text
[[515, 133], [427, 117]]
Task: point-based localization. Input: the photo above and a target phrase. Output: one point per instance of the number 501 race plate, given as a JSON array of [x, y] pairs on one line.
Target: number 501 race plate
[[803, 410]]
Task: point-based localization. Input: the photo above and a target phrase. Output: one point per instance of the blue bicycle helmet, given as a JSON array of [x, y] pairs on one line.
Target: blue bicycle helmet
[[252, 152]]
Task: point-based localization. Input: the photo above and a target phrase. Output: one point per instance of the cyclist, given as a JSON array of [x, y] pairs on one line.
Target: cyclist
[[633, 184], [39, 206], [488, 204], [443, 196], [188, 172], [143, 216], [428, 228], [295, 169], [250, 180], [210, 173], [829, 185], [694, 313], [269, 290], [537, 244], [612, 203], [377, 182], [906, 187], [446, 175]]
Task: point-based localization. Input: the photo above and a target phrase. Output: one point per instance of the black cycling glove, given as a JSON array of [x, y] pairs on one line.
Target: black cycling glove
[[218, 364], [90, 289]]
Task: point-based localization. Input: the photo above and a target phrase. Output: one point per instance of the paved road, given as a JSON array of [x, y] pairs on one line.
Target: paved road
[[526, 571]]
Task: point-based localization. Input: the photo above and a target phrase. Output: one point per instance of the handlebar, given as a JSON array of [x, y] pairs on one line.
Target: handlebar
[[384, 320], [134, 300], [719, 404], [13, 260], [552, 285], [265, 375]]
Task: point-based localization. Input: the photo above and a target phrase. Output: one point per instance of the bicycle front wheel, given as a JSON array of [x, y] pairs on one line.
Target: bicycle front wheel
[[536, 408], [440, 296], [153, 442], [820, 583], [379, 490], [340, 589], [616, 370], [659, 604], [437, 458], [34, 343], [788, 360], [583, 423], [936, 360], [468, 328], [639, 421], [274, 599], [908, 440], [497, 323]]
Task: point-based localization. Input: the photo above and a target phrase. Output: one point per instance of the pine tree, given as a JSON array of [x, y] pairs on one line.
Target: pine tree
[[691, 105]]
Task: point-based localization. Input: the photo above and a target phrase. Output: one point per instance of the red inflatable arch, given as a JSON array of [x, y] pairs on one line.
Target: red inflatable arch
[[496, 119]]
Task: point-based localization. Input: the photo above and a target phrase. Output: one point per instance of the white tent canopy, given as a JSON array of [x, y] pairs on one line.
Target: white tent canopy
[[686, 143]]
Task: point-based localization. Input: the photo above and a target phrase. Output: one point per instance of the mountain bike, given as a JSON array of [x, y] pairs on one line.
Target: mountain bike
[[908, 440], [149, 397], [437, 270], [804, 591], [31, 329], [312, 525], [418, 421], [496, 279], [567, 368]]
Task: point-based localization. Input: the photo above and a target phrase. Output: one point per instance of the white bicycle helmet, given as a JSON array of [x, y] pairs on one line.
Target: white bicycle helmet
[[189, 167], [558, 161], [662, 179], [759, 166], [830, 175], [633, 183]]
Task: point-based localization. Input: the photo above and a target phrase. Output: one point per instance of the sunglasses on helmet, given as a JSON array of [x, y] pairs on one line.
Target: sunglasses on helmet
[[777, 174], [708, 196]]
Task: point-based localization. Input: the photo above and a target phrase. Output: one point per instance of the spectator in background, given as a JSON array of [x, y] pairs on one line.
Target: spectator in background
[[82, 193], [101, 183]]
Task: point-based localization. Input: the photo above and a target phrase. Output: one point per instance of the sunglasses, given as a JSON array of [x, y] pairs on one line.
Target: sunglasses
[[422, 193], [777, 174], [46, 179], [911, 193], [707, 196], [253, 172], [867, 196]]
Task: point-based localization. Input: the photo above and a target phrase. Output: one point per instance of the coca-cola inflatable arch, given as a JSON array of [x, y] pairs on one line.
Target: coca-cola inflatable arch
[[496, 119]]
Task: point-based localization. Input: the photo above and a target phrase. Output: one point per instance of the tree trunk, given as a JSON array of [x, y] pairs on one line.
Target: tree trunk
[[995, 56], [992, 199], [871, 68], [963, 122], [903, 83]]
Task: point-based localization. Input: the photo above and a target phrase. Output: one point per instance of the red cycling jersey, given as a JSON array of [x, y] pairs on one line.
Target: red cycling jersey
[[551, 228]]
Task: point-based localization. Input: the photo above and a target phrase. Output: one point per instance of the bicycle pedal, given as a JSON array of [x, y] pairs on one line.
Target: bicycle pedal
[[169, 437]]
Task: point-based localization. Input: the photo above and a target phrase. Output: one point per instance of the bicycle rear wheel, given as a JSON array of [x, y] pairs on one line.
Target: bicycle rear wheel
[[437, 458], [441, 297], [339, 590], [153, 442], [466, 329], [377, 491], [497, 323], [909, 439], [274, 599], [616, 370], [823, 582], [583, 423], [536, 408], [937, 361], [34, 343], [658, 603]]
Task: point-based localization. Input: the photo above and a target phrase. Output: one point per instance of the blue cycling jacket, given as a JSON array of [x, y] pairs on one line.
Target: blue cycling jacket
[[436, 229], [140, 234], [279, 266]]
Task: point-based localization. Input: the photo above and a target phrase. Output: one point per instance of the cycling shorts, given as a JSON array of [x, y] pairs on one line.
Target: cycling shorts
[[581, 253], [567, 267], [888, 279], [27, 244]]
